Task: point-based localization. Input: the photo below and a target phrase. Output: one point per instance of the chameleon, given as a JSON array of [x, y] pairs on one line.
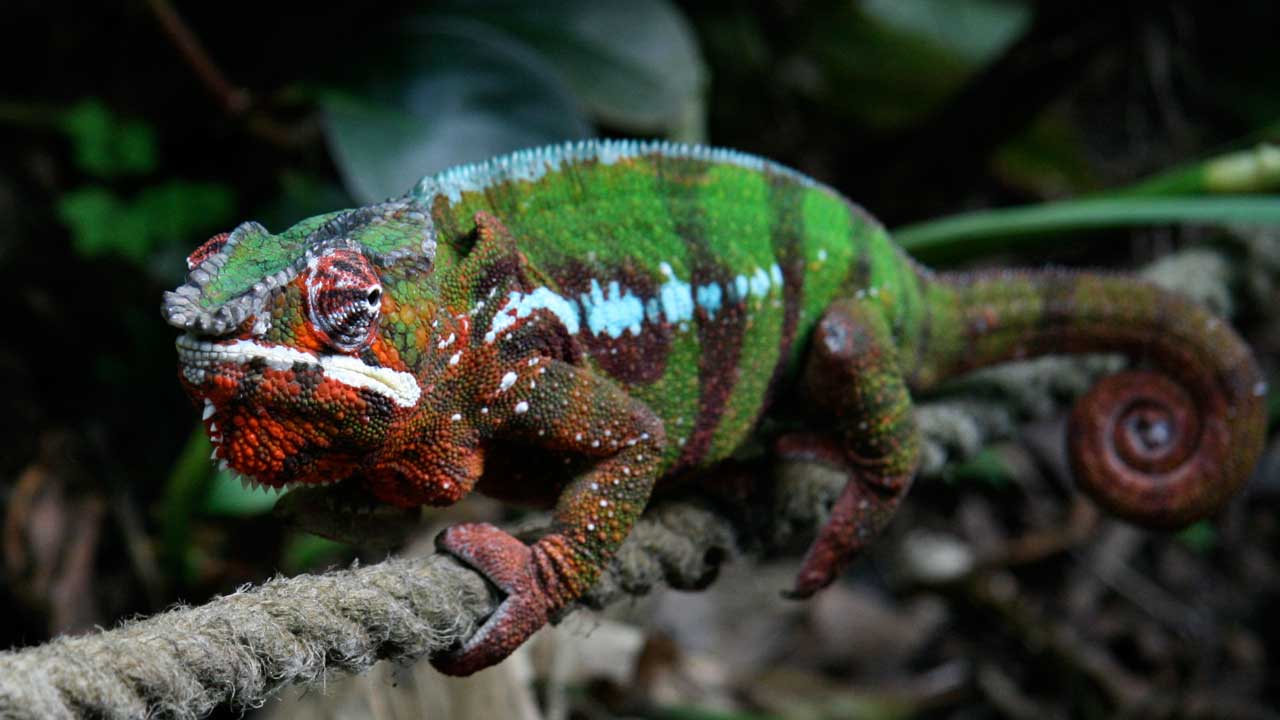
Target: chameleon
[[573, 325]]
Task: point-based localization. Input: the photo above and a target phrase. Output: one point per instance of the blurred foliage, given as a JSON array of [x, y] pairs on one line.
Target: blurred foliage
[[905, 57], [106, 145], [472, 80], [102, 223], [120, 153]]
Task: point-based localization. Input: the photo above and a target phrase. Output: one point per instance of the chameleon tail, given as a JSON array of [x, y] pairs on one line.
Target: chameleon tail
[[1160, 445]]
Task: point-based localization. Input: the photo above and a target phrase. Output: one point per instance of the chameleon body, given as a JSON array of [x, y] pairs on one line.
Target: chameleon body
[[572, 324]]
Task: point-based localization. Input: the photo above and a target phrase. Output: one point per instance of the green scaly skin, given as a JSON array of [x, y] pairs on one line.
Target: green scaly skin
[[570, 325]]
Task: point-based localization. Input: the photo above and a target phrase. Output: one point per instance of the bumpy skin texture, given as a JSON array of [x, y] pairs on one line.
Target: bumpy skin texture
[[569, 325]]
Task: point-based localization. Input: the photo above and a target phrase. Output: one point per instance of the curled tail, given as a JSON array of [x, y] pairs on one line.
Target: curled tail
[[1161, 445]]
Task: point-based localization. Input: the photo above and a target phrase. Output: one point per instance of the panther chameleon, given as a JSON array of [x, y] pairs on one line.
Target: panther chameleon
[[571, 324]]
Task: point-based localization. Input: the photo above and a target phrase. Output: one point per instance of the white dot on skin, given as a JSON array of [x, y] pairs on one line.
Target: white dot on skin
[[591, 526], [484, 410], [455, 417], [604, 503], [507, 381], [522, 407]]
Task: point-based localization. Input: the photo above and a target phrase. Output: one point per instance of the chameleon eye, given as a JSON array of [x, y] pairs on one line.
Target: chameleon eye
[[344, 298]]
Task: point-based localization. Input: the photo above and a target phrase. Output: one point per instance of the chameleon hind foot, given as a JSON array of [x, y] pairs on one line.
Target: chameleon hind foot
[[852, 377], [856, 519], [864, 506]]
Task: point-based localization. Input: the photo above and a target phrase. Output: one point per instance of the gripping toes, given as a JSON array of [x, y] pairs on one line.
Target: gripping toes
[[510, 565], [853, 376]]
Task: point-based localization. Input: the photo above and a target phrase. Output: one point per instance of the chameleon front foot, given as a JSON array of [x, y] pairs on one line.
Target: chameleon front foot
[[509, 564]]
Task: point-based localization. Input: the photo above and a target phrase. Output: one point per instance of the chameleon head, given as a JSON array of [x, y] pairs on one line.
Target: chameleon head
[[293, 343]]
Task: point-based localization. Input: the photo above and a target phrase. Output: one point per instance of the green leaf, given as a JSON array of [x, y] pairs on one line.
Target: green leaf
[[975, 31], [1200, 537], [440, 95], [96, 218], [635, 65], [185, 486], [888, 63], [109, 146], [173, 213], [984, 231], [177, 212], [989, 467], [303, 552], [1251, 170], [228, 497]]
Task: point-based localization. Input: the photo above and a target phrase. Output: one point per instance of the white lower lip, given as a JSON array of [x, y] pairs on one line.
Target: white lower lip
[[400, 387]]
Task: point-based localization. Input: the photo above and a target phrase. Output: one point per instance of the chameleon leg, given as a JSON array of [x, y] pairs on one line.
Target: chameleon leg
[[567, 409], [852, 377]]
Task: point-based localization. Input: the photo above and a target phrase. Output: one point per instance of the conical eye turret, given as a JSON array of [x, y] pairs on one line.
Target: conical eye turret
[[344, 298]]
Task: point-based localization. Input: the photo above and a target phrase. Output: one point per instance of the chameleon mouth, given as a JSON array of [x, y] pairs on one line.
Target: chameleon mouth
[[248, 480], [198, 356]]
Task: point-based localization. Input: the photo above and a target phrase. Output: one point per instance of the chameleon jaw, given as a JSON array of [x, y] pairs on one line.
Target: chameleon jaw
[[263, 452], [197, 356]]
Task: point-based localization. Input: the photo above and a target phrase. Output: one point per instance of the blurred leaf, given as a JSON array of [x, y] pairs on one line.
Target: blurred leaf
[[635, 65], [185, 486], [103, 224], [975, 31], [971, 234], [1199, 537], [889, 63], [1251, 170], [303, 552], [442, 94], [109, 146], [228, 497], [100, 223], [989, 467]]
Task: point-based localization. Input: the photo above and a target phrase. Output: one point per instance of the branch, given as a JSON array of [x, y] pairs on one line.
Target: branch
[[235, 100]]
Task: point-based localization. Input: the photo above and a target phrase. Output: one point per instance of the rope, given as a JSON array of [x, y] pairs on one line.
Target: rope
[[242, 648]]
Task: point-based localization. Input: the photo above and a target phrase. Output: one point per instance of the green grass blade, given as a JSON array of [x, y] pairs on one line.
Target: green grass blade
[[974, 233]]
